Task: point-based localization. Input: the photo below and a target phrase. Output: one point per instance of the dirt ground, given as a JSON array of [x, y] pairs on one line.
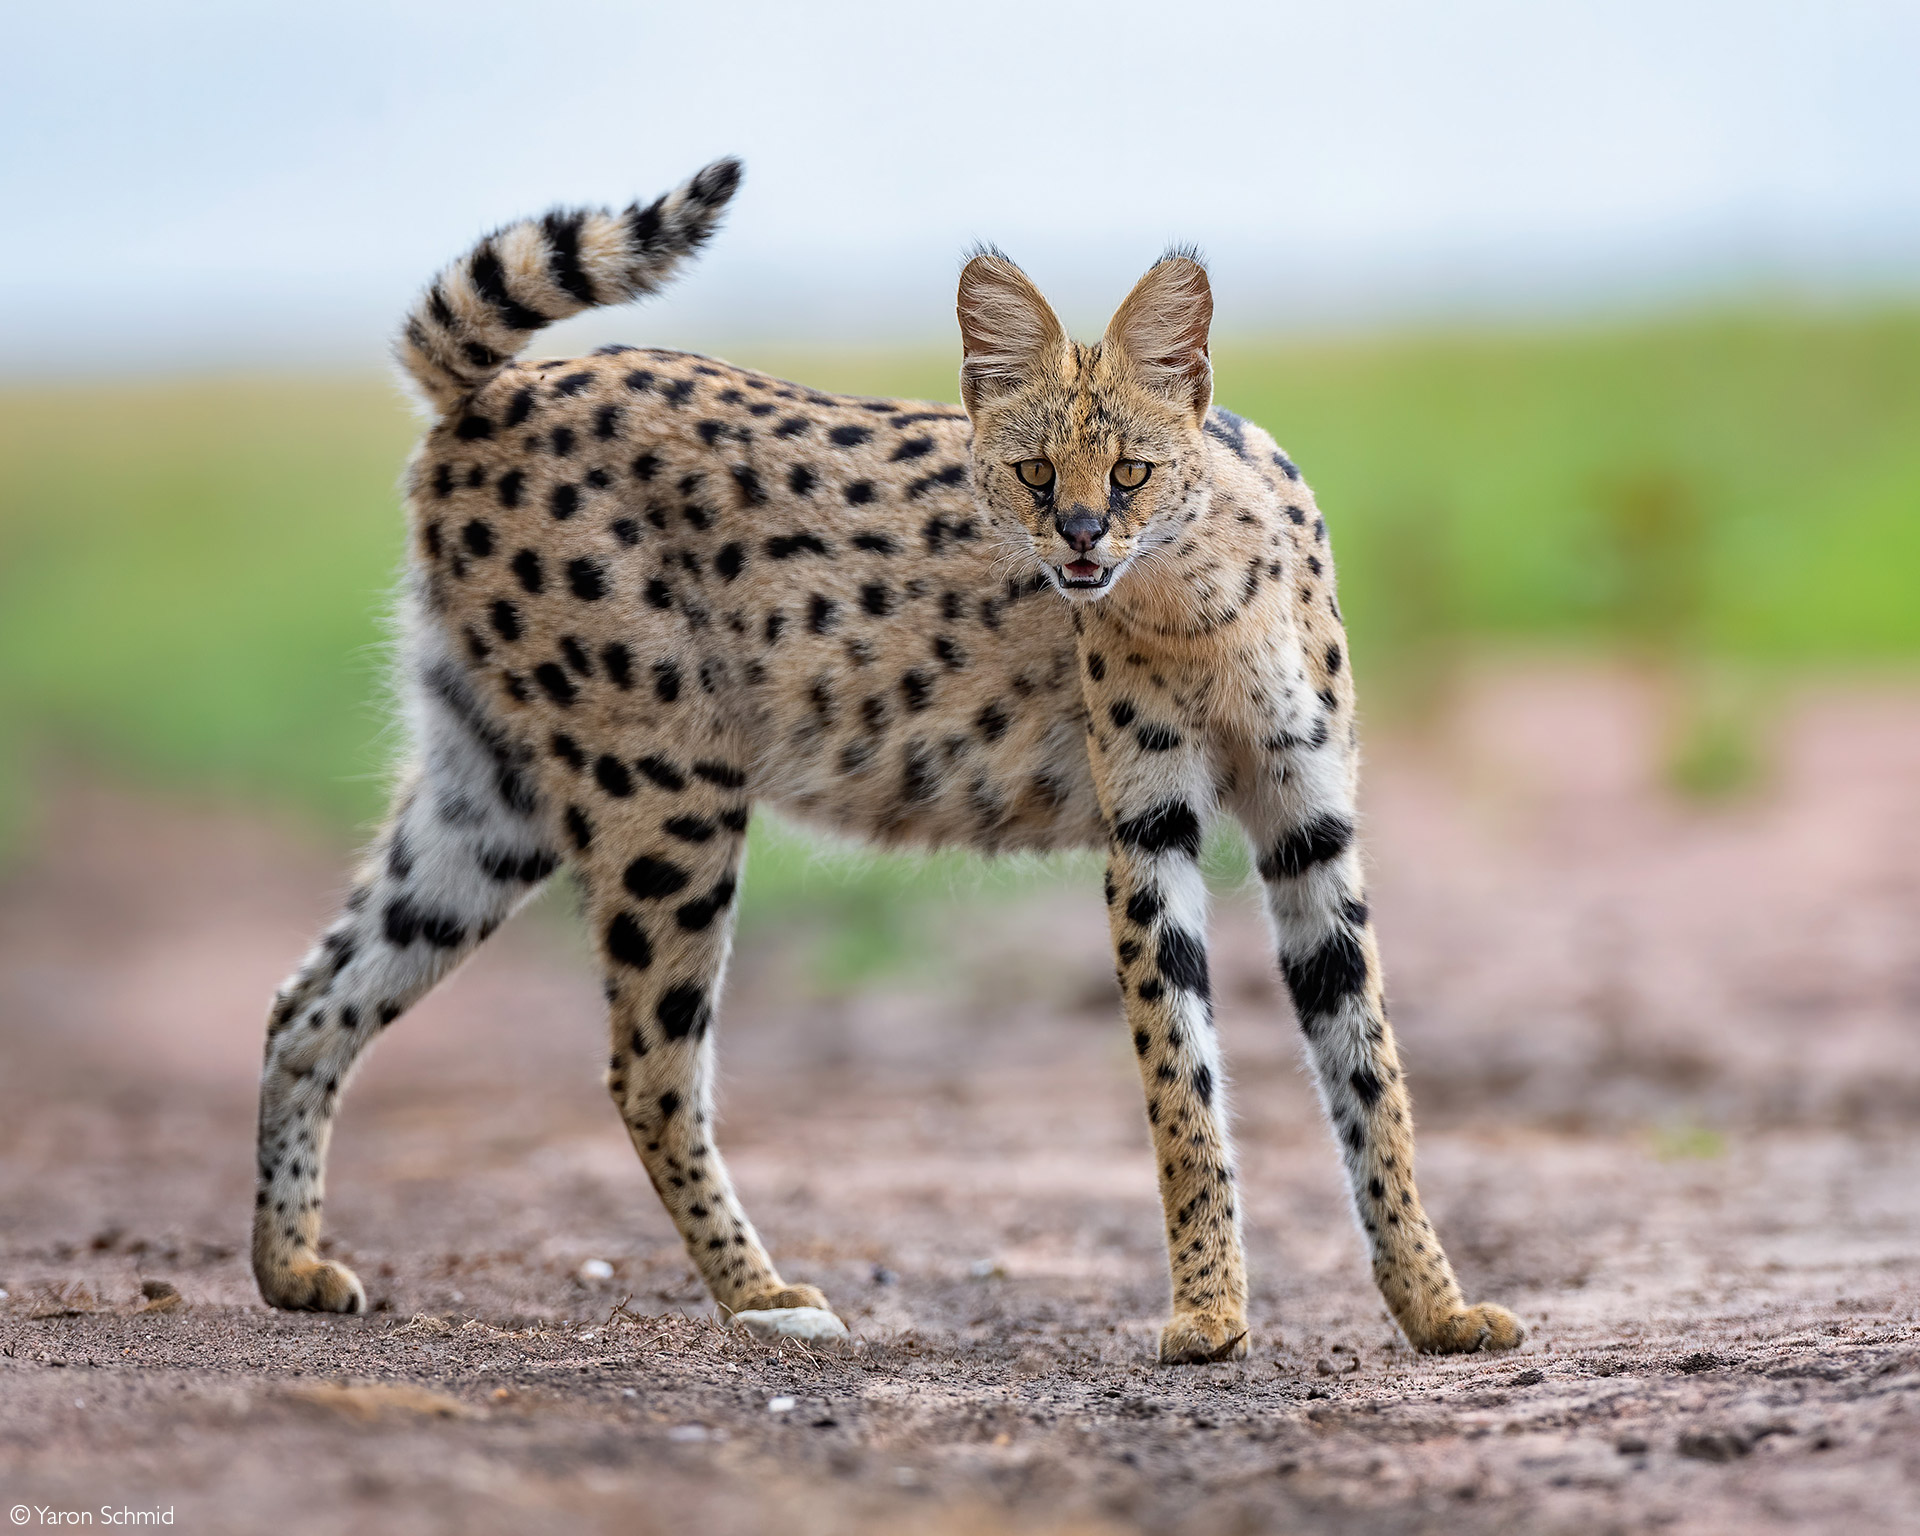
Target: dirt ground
[[1670, 1112]]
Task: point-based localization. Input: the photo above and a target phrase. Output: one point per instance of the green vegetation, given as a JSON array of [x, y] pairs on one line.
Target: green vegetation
[[193, 574]]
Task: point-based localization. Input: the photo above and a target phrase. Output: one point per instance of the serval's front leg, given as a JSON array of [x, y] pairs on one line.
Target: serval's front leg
[[1301, 820], [1156, 907]]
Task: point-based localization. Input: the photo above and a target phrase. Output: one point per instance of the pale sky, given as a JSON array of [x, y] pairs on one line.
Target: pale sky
[[199, 184]]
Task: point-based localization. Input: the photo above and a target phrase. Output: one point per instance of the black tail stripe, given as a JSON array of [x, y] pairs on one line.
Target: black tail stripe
[[491, 281], [644, 226], [563, 261]]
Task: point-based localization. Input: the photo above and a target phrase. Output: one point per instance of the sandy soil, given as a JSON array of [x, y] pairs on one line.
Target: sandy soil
[[1669, 1097]]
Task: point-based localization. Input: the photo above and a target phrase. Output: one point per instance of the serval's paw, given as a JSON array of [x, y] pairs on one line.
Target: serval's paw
[[790, 1312], [1485, 1326], [317, 1286], [1199, 1338]]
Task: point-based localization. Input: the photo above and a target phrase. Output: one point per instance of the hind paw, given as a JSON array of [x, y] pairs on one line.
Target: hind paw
[[1485, 1326], [319, 1286], [1199, 1338]]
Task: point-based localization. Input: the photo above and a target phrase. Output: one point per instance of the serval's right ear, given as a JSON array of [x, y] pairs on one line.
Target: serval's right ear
[[1007, 329]]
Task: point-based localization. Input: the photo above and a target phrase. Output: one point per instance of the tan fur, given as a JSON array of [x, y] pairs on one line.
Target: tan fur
[[650, 590]]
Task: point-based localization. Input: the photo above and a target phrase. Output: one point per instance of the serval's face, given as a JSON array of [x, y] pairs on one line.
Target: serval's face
[[1096, 451]]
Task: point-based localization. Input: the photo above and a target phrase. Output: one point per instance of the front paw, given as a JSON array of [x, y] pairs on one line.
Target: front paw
[[1483, 1327], [1199, 1338], [312, 1287], [783, 1298]]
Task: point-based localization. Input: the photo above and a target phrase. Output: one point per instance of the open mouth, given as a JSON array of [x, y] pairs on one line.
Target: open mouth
[[1085, 573]]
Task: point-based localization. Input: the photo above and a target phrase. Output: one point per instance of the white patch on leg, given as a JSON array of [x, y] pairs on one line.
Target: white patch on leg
[[816, 1325]]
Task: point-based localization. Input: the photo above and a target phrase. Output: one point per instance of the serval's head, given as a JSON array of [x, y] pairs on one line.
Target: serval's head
[[1096, 451]]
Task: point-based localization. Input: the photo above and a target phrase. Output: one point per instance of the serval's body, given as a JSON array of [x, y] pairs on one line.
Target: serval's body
[[648, 591]]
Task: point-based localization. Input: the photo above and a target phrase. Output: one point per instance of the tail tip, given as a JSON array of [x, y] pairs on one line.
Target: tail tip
[[714, 185]]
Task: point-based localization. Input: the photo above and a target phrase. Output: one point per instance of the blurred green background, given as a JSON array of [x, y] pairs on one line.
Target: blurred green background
[[194, 576]]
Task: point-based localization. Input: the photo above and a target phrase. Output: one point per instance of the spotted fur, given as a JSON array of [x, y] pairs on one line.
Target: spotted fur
[[648, 591]]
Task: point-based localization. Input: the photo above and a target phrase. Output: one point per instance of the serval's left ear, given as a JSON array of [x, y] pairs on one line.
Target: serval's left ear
[[1162, 330]]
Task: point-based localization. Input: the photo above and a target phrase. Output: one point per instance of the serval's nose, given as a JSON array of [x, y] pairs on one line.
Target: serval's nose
[[1080, 528]]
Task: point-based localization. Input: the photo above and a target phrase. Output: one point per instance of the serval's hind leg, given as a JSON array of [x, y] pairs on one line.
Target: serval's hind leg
[[1300, 817], [660, 856], [465, 844]]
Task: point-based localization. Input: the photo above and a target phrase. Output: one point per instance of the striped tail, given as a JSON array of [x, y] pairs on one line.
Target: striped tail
[[481, 310]]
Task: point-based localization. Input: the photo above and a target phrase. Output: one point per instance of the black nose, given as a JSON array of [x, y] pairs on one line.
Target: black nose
[[1081, 528]]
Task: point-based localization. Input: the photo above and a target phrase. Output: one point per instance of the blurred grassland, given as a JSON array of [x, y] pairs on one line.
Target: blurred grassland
[[194, 574]]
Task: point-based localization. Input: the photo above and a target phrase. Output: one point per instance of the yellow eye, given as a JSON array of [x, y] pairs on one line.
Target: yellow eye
[[1131, 474], [1035, 474]]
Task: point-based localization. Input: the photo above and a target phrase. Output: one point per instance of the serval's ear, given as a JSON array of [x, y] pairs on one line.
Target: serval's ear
[[1162, 330], [1007, 329]]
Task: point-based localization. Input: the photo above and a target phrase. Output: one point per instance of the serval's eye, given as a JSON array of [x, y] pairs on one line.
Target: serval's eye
[[1035, 474], [1131, 474]]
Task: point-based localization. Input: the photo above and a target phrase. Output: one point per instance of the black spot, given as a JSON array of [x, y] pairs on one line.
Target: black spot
[[751, 491], [618, 661], [666, 681], [1203, 1083], [950, 654], [912, 448], [478, 538], [682, 1010], [526, 566], [952, 474], [508, 487], [613, 776], [587, 579], [563, 502], [786, 546], [1376, 1189], [729, 560], [662, 773], [655, 879], [669, 1105], [576, 659], [916, 685], [1325, 979], [626, 530], [472, 427], [800, 480], [849, 437], [562, 439], [1152, 990], [555, 683], [1157, 738], [1121, 713], [1182, 959], [1325, 837], [567, 750], [627, 942], [1096, 666], [506, 619], [859, 493], [734, 818], [992, 721], [1366, 1085], [792, 426], [695, 915], [916, 774], [822, 613], [1141, 1040], [1333, 658], [606, 422], [689, 829], [776, 621], [724, 774], [877, 598], [520, 407], [403, 923], [879, 543], [1171, 825], [659, 594], [1143, 906]]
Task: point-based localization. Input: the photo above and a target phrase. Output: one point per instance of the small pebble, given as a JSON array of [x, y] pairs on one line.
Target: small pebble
[[596, 1269], [687, 1432], [988, 1269], [782, 1404]]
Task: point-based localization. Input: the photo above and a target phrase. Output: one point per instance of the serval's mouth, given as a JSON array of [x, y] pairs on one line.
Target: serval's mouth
[[1087, 575]]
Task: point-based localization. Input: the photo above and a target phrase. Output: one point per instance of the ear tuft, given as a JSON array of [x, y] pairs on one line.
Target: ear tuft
[[1006, 328], [1162, 329]]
